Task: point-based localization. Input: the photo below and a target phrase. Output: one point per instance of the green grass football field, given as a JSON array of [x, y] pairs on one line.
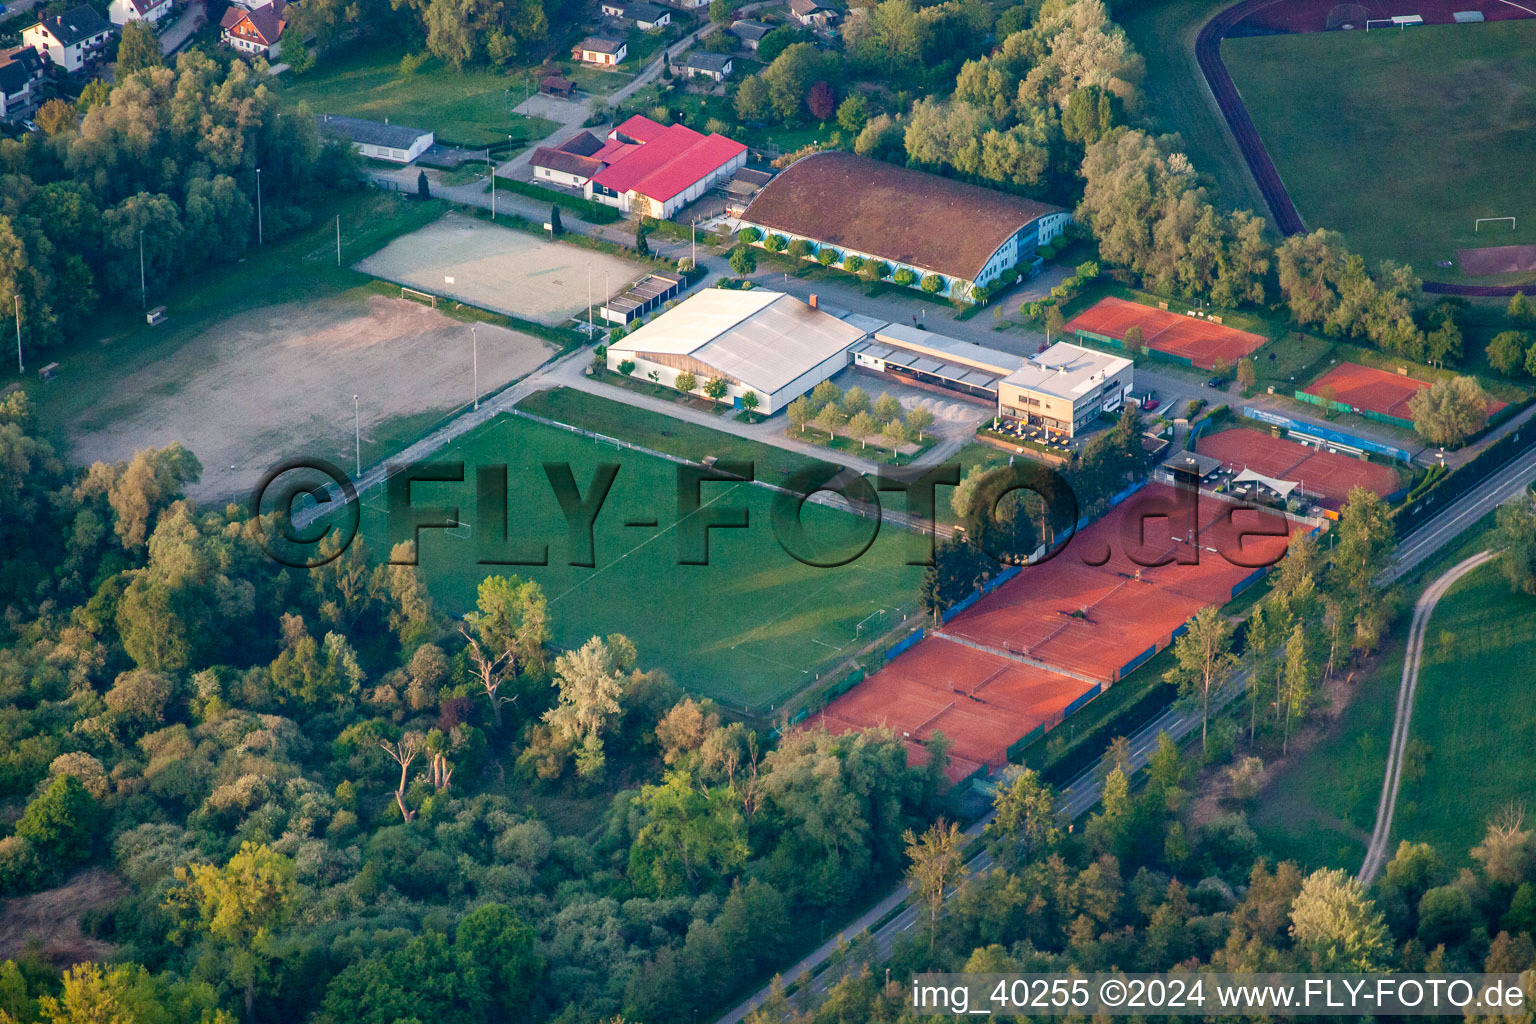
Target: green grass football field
[[750, 628], [1474, 714], [1401, 139]]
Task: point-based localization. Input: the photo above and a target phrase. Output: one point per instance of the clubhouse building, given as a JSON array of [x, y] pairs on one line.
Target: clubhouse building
[[966, 235], [640, 165]]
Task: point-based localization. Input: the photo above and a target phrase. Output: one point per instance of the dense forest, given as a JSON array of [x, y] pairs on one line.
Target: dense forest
[[166, 159]]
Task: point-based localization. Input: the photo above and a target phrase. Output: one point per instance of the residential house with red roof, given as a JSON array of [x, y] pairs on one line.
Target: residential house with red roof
[[256, 32], [641, 165]]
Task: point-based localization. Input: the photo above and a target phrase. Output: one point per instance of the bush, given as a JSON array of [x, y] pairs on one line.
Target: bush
[[904, 277], [774, 243], [799, 249], [62, 821], [412, 63], [853, 264], [874, 270], [933, 284], [826, 256], [1047, 251], [748, 235], [20, 869], [743, 260]]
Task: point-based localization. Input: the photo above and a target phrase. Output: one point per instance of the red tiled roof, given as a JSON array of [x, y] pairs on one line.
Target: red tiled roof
[[699, 160], [613, 150], [669, 163], [639, 128], [266, 20]]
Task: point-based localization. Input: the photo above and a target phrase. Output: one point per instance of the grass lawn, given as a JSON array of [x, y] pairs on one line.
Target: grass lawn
[[1343, 134], [466, 108], [1474, 714], [1321, 810], [1176, 96], [749, 628], [299, 268], [663, 433]]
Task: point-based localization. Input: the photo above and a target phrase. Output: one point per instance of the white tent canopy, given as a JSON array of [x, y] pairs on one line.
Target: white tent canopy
[[1280, 487]]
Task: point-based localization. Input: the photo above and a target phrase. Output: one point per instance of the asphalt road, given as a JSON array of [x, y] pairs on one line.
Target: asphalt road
[[1423, 542]]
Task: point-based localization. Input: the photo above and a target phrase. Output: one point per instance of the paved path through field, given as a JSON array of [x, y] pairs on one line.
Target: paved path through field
[[1376, 852]]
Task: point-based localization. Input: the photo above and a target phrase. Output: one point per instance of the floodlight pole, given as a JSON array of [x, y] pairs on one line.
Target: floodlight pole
[[492, 168], [357, 437], [20, 367], [143, 288], [589, 299], [260, 233], [695, 253], [338, 239], [475, 339]]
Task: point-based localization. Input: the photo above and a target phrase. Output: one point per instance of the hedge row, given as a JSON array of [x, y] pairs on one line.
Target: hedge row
[[586, 209]]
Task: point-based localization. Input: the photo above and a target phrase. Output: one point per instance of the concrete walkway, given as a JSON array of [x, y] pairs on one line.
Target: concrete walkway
[[1423, 609], [568, 115], [175, 37]]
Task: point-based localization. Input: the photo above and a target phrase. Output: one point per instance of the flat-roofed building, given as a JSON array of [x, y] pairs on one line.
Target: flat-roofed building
[[759, 341], [936, 361], [1065, 388], [644, 295]]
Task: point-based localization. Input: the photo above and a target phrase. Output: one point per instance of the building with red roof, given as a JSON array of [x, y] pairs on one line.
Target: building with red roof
[[642, 165]]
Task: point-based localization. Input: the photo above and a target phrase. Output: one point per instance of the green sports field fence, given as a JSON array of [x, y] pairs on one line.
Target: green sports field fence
[[1336, 406]]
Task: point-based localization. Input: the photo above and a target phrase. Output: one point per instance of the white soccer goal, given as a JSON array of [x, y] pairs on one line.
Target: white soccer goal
[[460, 531], [412, 293], [1477, 225]]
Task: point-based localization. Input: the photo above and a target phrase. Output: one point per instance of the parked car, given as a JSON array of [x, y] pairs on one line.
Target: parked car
[[1214, 382], [30, 126], [1149, 402]]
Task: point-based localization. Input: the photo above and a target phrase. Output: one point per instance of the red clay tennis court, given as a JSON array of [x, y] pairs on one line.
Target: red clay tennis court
[[1322, 474], [981, 702], [1194, 338], [1373, 390], [1365, 387], [1059, 628], [1095, 620]]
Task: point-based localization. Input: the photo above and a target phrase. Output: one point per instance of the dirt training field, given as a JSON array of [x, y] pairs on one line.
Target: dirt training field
[[278, 382], [501, 269], [1497, 259]]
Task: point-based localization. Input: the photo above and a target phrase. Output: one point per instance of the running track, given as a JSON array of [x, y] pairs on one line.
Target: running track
[[1271, 186]]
